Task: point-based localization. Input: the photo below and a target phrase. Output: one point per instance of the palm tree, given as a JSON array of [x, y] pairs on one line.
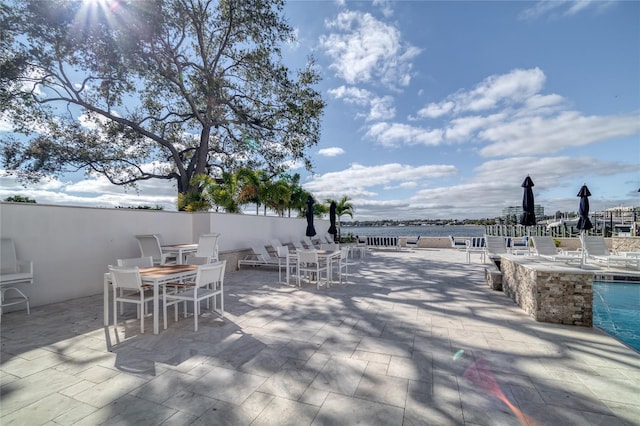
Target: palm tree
[[298, 200], [250, 187], [277, 196], [343, 207]]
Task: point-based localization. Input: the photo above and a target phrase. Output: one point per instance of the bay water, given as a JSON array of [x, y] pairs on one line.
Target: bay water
[[414, 231]]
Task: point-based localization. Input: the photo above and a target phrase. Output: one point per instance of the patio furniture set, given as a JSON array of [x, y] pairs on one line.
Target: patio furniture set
[[314, 262], [184, 273]]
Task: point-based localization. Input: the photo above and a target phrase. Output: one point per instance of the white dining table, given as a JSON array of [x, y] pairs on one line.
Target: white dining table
[[181, 249], [155, 276], [328, 255]]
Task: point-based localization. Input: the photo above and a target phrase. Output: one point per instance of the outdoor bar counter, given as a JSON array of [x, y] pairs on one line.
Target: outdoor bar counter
[[549, 291]]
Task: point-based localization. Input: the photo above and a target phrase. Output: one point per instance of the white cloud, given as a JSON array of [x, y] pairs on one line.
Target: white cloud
[[436, 110], [380, 108], [352, 95], [463, 128], [364, 50], [331, 152], [558, 8], [357, 177], [499, 90], [547, 135], [506, 115], [398, 134], [92, 192]]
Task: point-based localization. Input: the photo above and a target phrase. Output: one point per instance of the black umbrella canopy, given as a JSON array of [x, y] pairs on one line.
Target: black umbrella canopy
[[332, 218], [528, 217], [311, 231], [583, 210]]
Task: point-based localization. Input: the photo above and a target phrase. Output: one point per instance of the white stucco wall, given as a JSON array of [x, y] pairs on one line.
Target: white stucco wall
[[71, 247]]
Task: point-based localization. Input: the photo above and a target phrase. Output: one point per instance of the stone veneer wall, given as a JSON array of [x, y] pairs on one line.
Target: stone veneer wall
[[625, 244], [557, 296]]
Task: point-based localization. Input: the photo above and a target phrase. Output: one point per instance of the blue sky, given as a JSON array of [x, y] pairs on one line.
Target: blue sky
[[441, 109]]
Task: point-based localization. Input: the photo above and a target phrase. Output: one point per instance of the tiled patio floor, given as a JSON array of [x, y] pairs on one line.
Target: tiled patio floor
[[414, 338]]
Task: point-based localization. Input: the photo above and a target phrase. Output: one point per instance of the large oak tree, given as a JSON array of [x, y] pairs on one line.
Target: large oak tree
[[152, 89]]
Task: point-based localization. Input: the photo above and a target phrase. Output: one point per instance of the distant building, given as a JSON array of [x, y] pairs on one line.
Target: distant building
[[514, 212]]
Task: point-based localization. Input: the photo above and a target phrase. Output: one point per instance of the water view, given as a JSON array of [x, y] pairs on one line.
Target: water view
[[616, 310], [414, 231]]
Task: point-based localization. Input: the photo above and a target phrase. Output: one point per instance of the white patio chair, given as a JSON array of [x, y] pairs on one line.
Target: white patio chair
[[309, 264], [209, 284], [150, 246], [128, 288], [343, 263], [141, 262], [208, 247], [475, 245], [283, 252], [13, 272]]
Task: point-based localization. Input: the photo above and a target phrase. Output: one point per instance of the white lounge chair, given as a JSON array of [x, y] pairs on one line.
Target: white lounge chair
[[13, 272], [329, 246], [545, 247], [595, 248], [259, 257], [307, 242], [275, 243], [495, 246]]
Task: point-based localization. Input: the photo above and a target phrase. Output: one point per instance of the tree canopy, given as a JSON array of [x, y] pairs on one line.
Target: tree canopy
[[152, 89]]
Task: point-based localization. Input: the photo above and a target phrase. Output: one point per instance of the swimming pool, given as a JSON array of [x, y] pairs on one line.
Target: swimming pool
[[616, 310]]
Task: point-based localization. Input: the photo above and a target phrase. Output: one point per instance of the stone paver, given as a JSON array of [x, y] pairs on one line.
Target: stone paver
[[415, 338]]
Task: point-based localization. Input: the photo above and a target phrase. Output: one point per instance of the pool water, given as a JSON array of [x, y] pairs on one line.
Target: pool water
[[616, 310]]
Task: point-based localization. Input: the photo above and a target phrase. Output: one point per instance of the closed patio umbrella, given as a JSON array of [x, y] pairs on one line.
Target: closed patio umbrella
[[528, 217], [584, 224], [311, 231], [332, 219]]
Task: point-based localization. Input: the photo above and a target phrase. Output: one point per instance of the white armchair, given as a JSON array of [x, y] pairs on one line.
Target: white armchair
[[13, 272]]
